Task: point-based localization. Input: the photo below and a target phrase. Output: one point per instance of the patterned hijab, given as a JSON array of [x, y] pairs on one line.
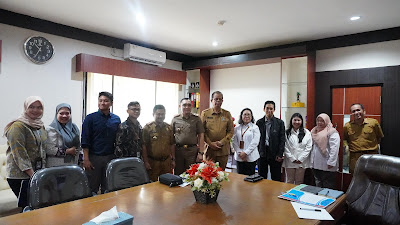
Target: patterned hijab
[[320, 135], [35, 123], [69, 131]]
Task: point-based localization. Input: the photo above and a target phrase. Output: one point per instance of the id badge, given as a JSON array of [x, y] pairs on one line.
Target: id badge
[[241, 144], [38, 164]]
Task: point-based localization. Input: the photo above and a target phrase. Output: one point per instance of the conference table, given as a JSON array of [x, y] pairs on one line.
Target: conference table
[[239, 202]]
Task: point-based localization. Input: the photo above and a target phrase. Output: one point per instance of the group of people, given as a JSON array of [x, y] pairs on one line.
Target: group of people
[[267, 143], [174, 147]]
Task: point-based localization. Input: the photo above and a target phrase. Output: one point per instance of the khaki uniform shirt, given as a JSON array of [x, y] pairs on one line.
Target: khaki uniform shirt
[[158, 140], [218, 127], [363, 137], [186, 130]]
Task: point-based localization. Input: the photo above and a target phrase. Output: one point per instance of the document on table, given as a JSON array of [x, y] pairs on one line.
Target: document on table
[[309, 212], [307, 198]]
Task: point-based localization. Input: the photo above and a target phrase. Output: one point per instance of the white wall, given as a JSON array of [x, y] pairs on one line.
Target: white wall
[[248, 87], [55, 81], [360, 56]]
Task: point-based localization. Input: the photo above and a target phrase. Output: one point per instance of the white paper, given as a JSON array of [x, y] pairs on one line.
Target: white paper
[[307, 214], [106, 216], [184, 184]]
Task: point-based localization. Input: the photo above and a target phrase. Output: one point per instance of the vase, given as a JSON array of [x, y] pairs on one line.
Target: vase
[[205, 198]]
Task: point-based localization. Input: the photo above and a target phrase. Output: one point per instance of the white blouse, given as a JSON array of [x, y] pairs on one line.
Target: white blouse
[[297, 151], [251, 138], [320, 161]]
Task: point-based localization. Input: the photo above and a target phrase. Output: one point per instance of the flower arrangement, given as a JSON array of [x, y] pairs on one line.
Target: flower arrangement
[[205, 177]]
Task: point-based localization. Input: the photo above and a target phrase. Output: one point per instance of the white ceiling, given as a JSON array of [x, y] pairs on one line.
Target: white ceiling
[[190, 26]]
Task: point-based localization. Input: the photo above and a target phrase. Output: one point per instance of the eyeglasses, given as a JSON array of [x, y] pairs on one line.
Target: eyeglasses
[[135, 109]]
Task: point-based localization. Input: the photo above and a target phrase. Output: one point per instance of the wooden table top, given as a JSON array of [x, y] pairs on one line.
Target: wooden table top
[[239, 202]]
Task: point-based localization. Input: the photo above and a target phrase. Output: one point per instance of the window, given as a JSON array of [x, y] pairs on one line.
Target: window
[[125, 89]]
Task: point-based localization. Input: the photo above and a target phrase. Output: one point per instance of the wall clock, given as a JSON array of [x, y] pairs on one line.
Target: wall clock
[[38, 49]]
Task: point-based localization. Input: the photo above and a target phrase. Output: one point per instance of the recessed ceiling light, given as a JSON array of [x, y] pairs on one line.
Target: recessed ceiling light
[[140, 19], [215, 43], [355, 18]]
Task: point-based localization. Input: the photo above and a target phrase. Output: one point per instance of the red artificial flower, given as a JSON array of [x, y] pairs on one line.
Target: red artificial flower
[[193, 169], [208, 173], [233, 118]]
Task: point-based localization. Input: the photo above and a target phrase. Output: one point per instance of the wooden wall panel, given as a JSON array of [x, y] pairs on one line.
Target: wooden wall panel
[[389, 79], [204, 89], [337, 100], [96, 64], [311, 57], [368, 96]]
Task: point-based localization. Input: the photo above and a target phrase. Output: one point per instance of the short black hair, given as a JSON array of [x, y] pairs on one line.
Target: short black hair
[[106, 94], [361, 105], [241, 114], [156, 107], [133, 103], [183, 99], [217, 92], [269, 102]]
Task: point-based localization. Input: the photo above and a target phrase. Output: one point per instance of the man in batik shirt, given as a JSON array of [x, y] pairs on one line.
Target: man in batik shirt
[[129, 134]]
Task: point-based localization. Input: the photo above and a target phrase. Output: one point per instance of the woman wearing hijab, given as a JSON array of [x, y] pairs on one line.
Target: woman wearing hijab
[[25, 155], [62, 145], [297, 150], [324, 155]]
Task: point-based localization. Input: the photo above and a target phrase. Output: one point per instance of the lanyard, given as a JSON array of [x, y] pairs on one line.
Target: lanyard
[[241, 131]]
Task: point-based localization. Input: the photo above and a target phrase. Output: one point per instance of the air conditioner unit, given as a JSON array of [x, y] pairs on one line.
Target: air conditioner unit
[[144, 55]]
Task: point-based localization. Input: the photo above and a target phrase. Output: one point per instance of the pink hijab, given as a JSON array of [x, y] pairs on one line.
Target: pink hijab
[[320, 135], [35, 123]]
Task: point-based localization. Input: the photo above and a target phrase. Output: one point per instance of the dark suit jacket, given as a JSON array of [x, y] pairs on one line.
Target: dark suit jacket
[[276, 138]]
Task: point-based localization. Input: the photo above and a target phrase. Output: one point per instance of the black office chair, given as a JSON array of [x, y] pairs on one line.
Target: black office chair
[[126, 172], [374, 193], [57, 185]]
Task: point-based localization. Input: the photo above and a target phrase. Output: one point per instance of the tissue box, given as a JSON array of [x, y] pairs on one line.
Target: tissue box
[[124, 219]]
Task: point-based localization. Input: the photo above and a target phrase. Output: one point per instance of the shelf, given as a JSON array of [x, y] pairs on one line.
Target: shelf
[[295, 84]]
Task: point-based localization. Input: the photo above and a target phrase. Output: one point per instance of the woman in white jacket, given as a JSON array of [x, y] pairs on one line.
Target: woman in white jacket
[[63, 141], [324, 156], [297, 150], [245, 141]]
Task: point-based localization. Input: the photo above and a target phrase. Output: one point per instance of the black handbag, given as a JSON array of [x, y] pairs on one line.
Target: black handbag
[[170, 179]]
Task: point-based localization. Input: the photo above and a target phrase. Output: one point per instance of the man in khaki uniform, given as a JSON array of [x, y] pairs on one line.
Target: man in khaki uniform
[[158, 145], [362, 135], [218, 126], [189, 132]]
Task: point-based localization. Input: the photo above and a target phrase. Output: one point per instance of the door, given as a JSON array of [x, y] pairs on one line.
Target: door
[[342, 99]]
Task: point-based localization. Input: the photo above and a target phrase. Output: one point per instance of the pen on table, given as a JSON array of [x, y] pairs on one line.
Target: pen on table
[[316, 210]]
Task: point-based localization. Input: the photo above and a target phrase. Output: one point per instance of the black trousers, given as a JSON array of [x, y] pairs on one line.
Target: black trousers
[[264, 162], [20, 187], [97, 176], [246, 168]]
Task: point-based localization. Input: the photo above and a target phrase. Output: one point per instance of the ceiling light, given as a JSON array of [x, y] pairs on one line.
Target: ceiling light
[[355, 18], [215, 43], [140, 19]]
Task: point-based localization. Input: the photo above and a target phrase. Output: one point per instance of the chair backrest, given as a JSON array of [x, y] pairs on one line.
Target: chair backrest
[[373, 196], [55, 185], [125, 172]]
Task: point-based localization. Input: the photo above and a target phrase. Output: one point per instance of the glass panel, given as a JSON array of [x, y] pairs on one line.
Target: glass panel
[[96, 83], [127, 89], [167, 94], [346, 154]]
